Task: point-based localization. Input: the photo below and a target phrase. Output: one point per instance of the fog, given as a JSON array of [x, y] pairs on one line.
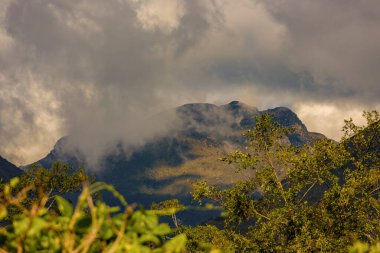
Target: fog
[[97, 70]]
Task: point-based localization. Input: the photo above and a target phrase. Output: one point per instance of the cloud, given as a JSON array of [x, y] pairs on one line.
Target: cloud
[[332, 122], [27, 119], [160, 14], [335, 42], [98, 69]]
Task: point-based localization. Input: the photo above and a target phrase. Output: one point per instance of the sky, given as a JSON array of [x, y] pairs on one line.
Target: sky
[[97, 69]]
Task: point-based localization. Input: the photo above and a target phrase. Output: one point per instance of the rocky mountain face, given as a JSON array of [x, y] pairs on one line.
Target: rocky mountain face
[[226, 122], [8, 170], [165, 167]]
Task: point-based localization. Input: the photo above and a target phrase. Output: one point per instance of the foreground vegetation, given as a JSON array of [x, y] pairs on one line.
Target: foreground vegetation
[[89, 227], [321, 197]]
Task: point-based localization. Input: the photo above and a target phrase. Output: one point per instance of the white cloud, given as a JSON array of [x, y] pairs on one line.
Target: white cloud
[[27, 119], [328, 118], [160, 14]]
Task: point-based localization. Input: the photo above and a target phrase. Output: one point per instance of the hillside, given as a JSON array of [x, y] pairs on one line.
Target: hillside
[[166, 167], [8, 170]]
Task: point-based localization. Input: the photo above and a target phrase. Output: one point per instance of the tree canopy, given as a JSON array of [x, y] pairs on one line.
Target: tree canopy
[[316, 198], [60, 179]]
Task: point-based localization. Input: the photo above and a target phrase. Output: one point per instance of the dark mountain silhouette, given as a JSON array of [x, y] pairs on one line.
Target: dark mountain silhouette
[[8, 170], [166, 167]]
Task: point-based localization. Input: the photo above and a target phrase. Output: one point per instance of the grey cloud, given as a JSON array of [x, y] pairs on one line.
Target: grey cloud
[[98, 69], [336, 42], [99, 63]]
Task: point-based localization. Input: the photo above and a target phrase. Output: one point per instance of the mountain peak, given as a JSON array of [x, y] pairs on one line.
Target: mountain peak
[[235, 103], [197, 107], [238, 106], [285, 117]]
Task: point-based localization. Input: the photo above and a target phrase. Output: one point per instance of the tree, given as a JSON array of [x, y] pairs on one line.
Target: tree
[[170, 207], [60, 180], [318, 197]]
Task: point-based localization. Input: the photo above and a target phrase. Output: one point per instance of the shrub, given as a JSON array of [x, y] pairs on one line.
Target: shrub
[[87, 227]]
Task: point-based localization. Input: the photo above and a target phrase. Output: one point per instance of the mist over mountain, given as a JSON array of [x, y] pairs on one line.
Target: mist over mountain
[[166, 166]]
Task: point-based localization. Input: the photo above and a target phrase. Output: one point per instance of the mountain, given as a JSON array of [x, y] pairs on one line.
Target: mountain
[[8, 170], [165, 167], [63, 152]]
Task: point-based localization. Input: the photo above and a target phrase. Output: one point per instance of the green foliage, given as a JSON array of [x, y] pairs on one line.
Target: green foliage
[[58, 180], [207, 238], [87, 227], [169, 207], [360, 247], [319, 197]]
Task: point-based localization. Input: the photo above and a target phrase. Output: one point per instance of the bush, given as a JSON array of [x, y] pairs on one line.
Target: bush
[[87, 227]]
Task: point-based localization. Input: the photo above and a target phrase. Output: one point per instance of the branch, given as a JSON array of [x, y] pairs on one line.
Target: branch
[[119, 237], [304, 195], [261, 215], [95, 226], [376, 189], [277, 179]]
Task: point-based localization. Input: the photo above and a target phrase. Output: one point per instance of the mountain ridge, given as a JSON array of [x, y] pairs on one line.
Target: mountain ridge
[[206, 132], [8, 170], [165, 167]]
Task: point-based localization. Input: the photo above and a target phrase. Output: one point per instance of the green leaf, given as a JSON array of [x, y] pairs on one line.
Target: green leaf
[[106, 233], [114, 209], [37, 225], [84, 223], [149, 238], [150, 220], [20, 223], [176, 244], [3, 212], [161, 229], [14, 181], [64, 206], [99, 186]]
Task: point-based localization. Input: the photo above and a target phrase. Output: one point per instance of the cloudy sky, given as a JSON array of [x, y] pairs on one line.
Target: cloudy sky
[[95, 69]]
